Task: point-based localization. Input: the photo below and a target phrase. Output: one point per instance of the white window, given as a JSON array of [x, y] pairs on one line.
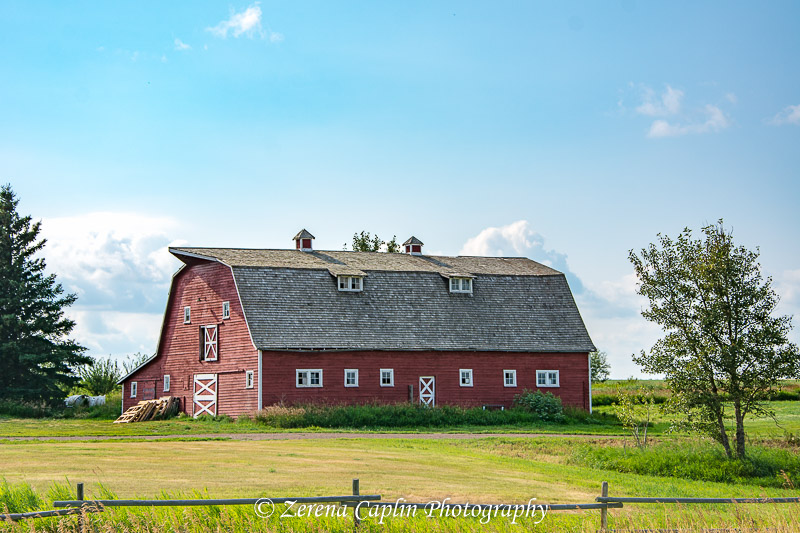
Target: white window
[[351, 377], [308, 377], [510, 378], [350, 283], [226, 310], [166, 383], [248, 379], [209, 345], [547, 378], [466, 377], [187, 315], [461, 285], [133, 389], [387, 377]]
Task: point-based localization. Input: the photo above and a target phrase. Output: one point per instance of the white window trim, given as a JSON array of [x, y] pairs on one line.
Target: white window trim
[[346, 370], [461, 377], [134, 387], [546, 372], [514, 373], [187, 315], [166, 383], [460, 283], [349, 283], [307, 371], [206, 344], [226, 310], [249, 379], [391, 376]]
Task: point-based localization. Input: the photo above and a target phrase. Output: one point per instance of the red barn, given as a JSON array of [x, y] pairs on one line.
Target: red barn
[[248, 328]]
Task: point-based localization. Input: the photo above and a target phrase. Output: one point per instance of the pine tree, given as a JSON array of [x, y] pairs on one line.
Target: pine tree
[[36, 356]]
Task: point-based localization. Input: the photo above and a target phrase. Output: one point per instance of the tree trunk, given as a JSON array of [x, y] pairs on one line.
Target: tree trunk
[[740, 444], [723, 435]]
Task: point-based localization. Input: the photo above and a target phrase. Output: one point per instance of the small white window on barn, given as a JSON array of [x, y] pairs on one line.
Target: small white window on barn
[[461, 285], [351, 283], [226, 310], [187, 315], [308, 377], [209, 346], [466, 377], [134, 386], [509, 378], [547, 378], [351, 377], [248, 379], [387, 377], [166, 382]]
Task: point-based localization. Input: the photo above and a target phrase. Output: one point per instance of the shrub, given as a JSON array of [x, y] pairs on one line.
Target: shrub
[[100, 378], [545, 406]]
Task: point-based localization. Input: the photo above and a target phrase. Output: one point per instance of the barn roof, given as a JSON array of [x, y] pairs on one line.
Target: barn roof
[[292, 302]]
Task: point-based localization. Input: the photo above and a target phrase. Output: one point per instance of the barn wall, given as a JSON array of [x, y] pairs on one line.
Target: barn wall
[[487, 368], [202, 286]]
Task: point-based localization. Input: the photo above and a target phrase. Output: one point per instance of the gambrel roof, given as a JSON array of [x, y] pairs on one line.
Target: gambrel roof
[[291, 302]]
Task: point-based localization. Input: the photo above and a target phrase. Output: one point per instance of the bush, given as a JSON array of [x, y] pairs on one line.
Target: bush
[[545, 406], [100, 378]]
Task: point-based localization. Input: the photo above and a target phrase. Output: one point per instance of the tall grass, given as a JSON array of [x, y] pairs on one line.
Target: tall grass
[[110, 411]]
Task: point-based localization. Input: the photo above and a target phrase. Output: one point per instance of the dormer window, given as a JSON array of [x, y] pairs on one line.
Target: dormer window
[[461, 285], [351, 283]]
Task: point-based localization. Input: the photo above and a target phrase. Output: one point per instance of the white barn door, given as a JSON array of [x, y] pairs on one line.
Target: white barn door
[[205, 394], [427, 390]]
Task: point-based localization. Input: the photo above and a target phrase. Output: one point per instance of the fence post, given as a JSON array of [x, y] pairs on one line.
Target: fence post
[[604, 511], [356, 519], [80, 516]]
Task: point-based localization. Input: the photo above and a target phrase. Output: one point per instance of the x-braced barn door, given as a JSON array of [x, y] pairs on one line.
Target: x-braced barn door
[[427, 390], [205, 394]]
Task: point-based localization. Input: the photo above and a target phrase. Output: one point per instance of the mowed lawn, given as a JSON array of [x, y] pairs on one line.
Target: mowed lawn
[[486, 470]]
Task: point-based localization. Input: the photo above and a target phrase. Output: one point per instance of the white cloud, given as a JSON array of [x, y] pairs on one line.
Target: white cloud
[[669, 103], [275, 37], [716, 120], [731, 98], [181, 46], [247, 22], [789, 115], [118, 265]]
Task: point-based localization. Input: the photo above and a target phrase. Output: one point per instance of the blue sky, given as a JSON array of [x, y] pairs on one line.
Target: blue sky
[[567, 132]]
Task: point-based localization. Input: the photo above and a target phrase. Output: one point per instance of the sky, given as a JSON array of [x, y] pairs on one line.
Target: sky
[[569, 132]]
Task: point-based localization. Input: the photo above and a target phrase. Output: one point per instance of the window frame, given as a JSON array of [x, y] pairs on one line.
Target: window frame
[[391, 377], [134, 389], [226, 310], [165, 385], [546, 374], [249, 379], [187, 314], [204, 345], [348, 281], [460, 281], [307, 372], [461, 374], [513, 372], [349, 370]]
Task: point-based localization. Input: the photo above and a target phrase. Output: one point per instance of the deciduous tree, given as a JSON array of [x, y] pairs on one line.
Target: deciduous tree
[[723, 349]]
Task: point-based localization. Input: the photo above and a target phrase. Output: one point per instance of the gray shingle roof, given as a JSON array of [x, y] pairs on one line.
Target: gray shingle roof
[[292, 302], [413, 240]]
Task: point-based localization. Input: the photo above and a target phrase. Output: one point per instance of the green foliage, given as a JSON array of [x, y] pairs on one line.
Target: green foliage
[[722, 339], [365, 242], [100, 378], [599, 367], [765, 466], [109, 411], [635, 408], [18, 498], [36, 357], [134, 361], [545, 406], [405, 415]]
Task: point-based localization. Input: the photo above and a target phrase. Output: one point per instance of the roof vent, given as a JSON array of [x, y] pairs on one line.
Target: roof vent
[[303, 241], [413, 246]]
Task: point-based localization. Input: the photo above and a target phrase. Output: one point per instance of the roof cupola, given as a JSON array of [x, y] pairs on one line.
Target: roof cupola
[[413, 246], [303, 240]]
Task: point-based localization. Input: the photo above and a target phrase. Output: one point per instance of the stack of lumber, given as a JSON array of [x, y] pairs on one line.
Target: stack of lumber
[[164, 407]]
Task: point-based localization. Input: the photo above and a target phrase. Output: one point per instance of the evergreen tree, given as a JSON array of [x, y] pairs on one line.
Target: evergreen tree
[[36, 357]]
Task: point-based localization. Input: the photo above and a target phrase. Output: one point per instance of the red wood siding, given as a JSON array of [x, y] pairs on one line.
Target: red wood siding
[[203, 286], [487, 374]]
